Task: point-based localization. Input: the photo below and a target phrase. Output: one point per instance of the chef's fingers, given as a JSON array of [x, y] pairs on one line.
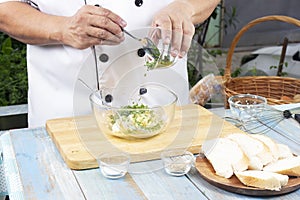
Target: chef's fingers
[[185, 45], [95, 36], [100, 11], [188, 32], [164, 23], [104, 32], [98, 17], [102, 22], [104, 35], [108, 42], [176, 39], [89, 27], [95, 41], [155, 35], [88, 41], [171, 26]]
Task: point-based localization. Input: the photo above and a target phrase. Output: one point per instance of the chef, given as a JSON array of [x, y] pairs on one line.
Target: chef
[[69, 39]]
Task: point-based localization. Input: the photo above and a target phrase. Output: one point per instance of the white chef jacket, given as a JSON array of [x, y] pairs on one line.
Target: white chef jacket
[[54, 71]]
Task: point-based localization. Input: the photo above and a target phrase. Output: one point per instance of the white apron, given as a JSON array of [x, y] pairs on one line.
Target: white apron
[[54, 71]]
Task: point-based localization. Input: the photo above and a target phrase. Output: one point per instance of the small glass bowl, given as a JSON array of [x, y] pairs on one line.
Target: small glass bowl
[[177, 162], [245, 107], [158, 50], [164, 60], [113, 165]]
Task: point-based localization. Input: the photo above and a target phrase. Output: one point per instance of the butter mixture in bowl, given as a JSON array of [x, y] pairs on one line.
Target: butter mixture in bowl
[[142, 113]]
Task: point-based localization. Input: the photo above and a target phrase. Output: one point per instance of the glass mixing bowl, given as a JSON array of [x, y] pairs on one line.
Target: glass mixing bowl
[[246, 107], [143, 112]]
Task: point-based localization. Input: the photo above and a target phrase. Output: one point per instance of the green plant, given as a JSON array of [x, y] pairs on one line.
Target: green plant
[[257, 72], [13, 72], [230, 18], [281, 73], [235, 73], [215, 52]]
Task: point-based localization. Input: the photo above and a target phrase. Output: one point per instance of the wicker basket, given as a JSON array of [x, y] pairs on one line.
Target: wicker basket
[[271, 87]]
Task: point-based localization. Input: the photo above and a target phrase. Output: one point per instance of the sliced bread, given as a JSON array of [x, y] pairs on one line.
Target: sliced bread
[[225, 156], [288, 166], [256, 151], [262, 179], [271, 145], [284, 151]]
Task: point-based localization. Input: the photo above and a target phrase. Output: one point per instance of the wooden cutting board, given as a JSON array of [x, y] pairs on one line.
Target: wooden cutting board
[[79, 140]]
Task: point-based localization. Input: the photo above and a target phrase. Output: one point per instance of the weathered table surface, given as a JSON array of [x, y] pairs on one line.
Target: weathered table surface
[[35, 170]]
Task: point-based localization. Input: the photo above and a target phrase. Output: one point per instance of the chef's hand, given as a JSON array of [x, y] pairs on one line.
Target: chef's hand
[[177, 27], [93, 25]]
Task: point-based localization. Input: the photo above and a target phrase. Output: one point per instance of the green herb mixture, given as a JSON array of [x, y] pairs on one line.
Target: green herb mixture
[[155, 54], [135, 119]]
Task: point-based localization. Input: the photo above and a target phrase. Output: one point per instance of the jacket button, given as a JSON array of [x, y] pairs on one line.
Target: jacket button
[[103, 57], [143, 91], [108, 98], [139, 3], [141, 52]]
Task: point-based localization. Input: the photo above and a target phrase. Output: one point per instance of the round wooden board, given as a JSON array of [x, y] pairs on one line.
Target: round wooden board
[[234, 185]]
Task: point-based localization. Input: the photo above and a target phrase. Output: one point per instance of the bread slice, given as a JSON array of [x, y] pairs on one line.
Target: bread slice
[[271, 145], [257, 153], [225, 156], [284, 151], [262, 179], [288, 166]]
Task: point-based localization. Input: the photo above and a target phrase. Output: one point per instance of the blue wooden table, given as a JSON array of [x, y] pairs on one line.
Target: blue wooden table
[[35, 170]]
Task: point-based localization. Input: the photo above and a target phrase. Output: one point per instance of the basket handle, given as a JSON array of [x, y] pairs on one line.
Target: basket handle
[[290, 20]]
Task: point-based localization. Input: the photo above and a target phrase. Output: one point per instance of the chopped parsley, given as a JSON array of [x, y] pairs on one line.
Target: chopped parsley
[[135, 119], [155, 60]]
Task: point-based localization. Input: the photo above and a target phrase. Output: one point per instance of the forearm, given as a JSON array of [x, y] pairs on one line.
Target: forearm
[[200, 10], [29, 25]]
